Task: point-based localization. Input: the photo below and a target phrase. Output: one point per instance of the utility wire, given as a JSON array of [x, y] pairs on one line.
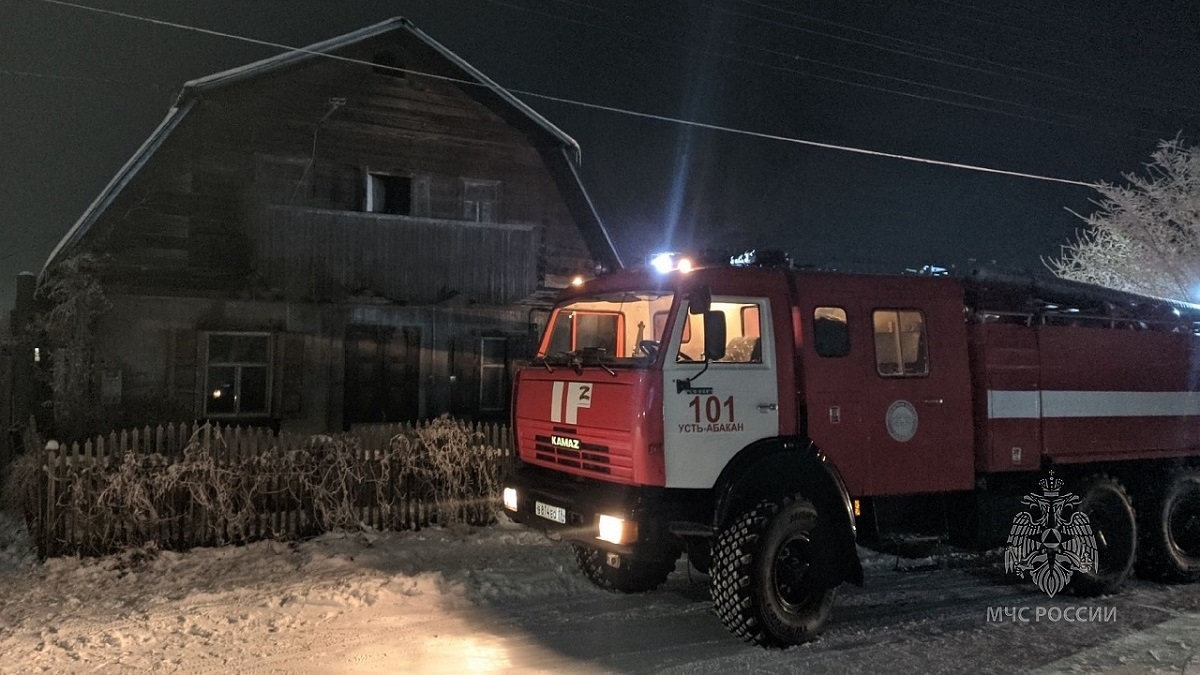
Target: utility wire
[[1166, 106], [1095, 124], [593, 106], [75, 78], [916, 83]]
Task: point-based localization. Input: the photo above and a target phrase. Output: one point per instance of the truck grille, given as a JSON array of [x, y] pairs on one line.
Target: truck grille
[[602, 453], [589, 457]]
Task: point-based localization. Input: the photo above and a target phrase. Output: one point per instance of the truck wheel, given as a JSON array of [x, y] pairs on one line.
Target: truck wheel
[[762, 575], [1114, 525], [635, 575], [1171, 530]]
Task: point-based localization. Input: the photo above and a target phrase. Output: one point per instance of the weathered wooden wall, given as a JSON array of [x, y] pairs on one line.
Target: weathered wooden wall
[[323, 254], [156, 343], [191, 217]]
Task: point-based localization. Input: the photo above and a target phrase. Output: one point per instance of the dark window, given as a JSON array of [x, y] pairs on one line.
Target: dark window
[[493, 381], [900, 345], [386, 193], [481, 200], [237, 375], [831, 332]]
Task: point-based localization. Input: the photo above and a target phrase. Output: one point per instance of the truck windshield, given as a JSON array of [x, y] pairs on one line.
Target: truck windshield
[[619, 329]]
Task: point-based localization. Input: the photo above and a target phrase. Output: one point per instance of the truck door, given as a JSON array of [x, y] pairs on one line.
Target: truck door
[[895, 408], [711, 412], [918, 402]]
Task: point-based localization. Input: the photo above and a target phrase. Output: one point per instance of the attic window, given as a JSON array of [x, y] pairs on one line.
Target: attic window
[[386, 193], [386, 63]]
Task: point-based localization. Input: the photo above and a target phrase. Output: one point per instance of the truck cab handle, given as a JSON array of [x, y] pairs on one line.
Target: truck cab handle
[[767, 407]]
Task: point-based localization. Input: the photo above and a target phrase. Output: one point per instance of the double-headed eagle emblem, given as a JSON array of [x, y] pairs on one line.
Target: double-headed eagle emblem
[[1047, 545]]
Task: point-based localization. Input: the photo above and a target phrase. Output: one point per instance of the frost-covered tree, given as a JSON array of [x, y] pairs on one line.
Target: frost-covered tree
[[1144, 236]]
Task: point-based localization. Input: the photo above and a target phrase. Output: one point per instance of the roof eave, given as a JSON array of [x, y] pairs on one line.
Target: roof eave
[[119, 182]]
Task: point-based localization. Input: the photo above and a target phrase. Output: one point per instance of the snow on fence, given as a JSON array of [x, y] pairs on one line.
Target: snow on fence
[[180, 486]]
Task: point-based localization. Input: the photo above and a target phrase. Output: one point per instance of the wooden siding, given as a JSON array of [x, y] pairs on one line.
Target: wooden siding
[[323, 255], [199, 207]]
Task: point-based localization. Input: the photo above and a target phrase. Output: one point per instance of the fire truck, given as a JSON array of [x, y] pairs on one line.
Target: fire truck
[[752, 417]]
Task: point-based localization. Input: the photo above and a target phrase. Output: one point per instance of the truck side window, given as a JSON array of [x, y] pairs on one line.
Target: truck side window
[[831, 332], [743, 332], [900, 344]]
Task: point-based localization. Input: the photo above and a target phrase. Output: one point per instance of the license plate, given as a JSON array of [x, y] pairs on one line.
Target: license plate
[[555, 513]]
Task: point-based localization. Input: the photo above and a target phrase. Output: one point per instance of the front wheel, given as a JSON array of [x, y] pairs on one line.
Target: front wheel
[[764, 581], [631, 575]]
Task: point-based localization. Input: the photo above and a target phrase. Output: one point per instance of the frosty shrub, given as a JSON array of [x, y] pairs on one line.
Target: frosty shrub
[[332, 481], [449, 464], [213, 494]]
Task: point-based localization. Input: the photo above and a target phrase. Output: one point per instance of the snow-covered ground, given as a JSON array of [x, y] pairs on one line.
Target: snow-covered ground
[[506, 599]]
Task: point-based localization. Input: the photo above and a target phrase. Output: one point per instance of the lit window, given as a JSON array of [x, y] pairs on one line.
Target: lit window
[[743, 332], [900, 349], [237, 381]]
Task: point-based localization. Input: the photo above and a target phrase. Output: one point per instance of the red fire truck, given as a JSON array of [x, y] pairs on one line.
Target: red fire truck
[[749, 416]]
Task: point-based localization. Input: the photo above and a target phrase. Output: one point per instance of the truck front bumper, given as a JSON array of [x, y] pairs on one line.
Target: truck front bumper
[[623, 519]]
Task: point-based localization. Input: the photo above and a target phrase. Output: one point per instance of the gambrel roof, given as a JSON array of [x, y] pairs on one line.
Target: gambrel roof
[[560, 152]]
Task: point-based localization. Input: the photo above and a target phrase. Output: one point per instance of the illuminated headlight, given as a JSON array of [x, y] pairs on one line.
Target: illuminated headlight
[[510, 498], [616, 530], [663, 262]]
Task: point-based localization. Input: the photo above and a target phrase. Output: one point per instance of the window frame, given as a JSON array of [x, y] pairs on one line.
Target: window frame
[[502, 367], [369, 197], [923, 341], [267, 365], [845, 322], [477, 213], [765, 330]]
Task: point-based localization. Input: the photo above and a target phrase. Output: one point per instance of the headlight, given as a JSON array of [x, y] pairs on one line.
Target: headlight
[[616, 530], [510, 498]]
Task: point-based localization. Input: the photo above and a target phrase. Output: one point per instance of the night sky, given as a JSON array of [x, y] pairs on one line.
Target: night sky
[[1075, 90]]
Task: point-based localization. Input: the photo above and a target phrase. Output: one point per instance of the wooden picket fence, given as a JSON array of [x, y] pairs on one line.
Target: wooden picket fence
[[230, 484]]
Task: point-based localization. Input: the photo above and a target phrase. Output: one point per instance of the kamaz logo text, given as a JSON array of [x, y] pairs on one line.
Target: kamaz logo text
[[559, 441], [566, 398]]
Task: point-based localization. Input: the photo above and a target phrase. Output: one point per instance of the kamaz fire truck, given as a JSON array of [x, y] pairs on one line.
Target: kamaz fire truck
[[749, 416]]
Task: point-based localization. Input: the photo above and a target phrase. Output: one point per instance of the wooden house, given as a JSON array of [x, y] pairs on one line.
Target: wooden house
[[362, 230]]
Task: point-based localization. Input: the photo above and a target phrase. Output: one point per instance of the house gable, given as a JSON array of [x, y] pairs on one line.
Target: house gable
[[325, 178]]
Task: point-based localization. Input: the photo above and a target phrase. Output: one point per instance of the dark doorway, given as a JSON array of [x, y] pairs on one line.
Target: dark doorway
[[383, 374]]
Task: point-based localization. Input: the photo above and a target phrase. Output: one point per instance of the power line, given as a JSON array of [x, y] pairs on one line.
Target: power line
[[1166, 106], [917, 83], [593, 106], [1095, 123], [74, 78]]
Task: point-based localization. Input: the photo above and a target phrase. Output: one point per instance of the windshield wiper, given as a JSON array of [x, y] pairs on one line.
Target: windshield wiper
[[581, 358]]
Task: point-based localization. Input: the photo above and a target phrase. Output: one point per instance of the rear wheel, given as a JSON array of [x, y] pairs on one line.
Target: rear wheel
[[1114, 526], [1171, 530], [764, 581], [631, 575]]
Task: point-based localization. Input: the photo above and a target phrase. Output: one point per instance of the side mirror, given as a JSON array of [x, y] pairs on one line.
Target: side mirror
[[699, 300], [714, 335]]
